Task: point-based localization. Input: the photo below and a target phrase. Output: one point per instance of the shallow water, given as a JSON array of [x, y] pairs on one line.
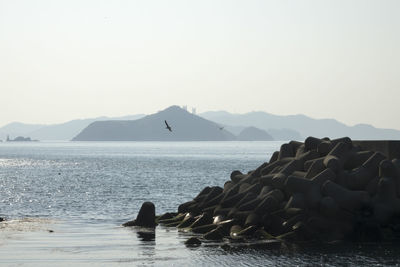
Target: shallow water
[[65, 203]]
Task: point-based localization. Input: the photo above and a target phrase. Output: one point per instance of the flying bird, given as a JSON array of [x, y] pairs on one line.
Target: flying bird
[[168, 127], [221, 128]]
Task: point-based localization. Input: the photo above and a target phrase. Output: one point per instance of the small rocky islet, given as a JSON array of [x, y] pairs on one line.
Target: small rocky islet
[[318, 190]]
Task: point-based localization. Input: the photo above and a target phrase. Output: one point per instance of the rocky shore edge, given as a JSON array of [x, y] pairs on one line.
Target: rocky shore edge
[[318, 190]]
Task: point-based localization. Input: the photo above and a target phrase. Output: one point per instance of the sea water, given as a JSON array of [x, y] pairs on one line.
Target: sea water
[[65, 202]]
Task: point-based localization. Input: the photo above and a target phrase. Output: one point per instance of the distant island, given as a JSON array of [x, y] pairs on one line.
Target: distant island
[[20, 139], [297, 127], [280, 128], [254, 134], [171, 124], [184, 126]]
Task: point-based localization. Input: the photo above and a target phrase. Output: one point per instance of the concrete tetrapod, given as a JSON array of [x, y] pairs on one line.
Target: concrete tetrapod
[[146, 216], [321, 189]]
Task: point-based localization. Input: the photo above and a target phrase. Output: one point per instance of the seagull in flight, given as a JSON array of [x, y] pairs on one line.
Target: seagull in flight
[[168, 127]]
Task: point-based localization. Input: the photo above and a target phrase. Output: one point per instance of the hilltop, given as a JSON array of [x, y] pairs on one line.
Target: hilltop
[[291, 127], [60, 131], [185, 127], [297, 127]]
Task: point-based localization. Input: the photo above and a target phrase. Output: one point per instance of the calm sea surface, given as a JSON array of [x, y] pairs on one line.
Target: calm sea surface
[[65, 202]]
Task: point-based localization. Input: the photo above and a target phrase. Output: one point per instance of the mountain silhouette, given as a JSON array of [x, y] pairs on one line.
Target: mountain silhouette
[[254, 134], [302, 124], [292, 127], [61, 131], [185, 127]]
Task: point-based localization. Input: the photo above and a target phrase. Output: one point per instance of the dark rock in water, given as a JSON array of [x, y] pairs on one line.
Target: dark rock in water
[[346, 199], [146, 216], [216, 234], [184, 207], [311, 143], [336, 157], [228, 185], [187, 221], [166, 216], [248, 231], [386, 203], [218, 219], [176, 219], [2, 219], [252, 219], [322, 189], [296, 201], [203, 192], [314, 166], [193, 241], [286, 151], [263, 235], [311, 189], [235, 230], [236, 176], [204, 228], [274, 157], [203, 219]]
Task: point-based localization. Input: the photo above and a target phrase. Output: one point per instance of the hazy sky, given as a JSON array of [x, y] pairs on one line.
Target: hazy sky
[[62, 60]]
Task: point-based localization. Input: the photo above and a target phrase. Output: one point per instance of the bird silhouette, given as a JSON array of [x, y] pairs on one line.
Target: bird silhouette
[[168, 127]]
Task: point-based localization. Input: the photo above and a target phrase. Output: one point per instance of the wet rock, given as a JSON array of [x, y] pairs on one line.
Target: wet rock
[[202, 219], [252, 219], [262, 234], [202, 193], [227, 186], [187, 221], [336, 158], [274, 157], [216, 234], [296, 201], [386, 204], [358, 178], [273, 224], [346, 199], [204, 228], [166, 216], [248, 231], [270, 203], [314, 167], [297, 147], [311, 143], [321, 189], [146, 216], [185, 207], [234, 231], [193, 241], [217, 219], [286, 151], [311, 189], [176, 219]]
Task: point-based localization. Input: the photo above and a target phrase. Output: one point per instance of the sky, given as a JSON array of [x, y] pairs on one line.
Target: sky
[[64, 60]]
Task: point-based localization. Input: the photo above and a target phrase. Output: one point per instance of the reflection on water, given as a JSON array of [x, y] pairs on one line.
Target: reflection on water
[[25, 224], [83, 244], [146, 236], [65, 203]]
